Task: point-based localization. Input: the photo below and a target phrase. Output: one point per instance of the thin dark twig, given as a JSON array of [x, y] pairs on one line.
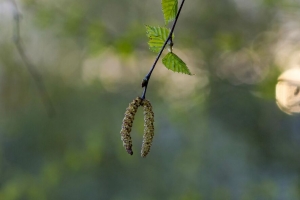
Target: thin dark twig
[[30, 67], [148, 76]]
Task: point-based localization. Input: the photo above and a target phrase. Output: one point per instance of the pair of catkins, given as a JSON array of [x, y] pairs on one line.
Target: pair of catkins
[[148, 125]]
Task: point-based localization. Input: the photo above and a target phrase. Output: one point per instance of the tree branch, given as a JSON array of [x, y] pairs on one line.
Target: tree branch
[[148, 76], [45, 98]]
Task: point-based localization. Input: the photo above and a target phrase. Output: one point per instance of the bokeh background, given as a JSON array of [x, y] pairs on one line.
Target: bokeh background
[[219, 134]]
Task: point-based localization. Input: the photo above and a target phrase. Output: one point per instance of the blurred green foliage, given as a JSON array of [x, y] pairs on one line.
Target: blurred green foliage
[[218, 134]]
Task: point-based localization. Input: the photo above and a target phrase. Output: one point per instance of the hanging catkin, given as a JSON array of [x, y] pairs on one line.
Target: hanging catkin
[[127, 124], [148, 127]]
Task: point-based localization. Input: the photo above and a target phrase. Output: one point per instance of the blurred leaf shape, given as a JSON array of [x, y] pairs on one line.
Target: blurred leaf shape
[[265, 88], [169, 8], [157, 37], [288, 91], [174, 63]]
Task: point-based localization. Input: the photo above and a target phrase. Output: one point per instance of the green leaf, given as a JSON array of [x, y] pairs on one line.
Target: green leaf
[[157, 37], [174, 63], [169, 8]]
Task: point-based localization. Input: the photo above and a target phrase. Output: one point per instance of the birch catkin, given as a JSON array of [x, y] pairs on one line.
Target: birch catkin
[[148, 127], [127, 124]]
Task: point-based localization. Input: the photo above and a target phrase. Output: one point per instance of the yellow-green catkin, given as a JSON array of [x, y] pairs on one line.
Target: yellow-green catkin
[[148, 127], [127, 124]]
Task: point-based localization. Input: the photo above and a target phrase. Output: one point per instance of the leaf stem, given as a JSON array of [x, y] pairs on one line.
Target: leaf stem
[[148, 76]]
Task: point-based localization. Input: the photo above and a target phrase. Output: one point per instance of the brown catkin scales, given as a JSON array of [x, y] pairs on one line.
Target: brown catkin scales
[[148, 127], [127, 124]]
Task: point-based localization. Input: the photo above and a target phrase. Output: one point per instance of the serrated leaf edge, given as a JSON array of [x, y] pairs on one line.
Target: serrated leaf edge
[[178, 59], [174, 7]]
